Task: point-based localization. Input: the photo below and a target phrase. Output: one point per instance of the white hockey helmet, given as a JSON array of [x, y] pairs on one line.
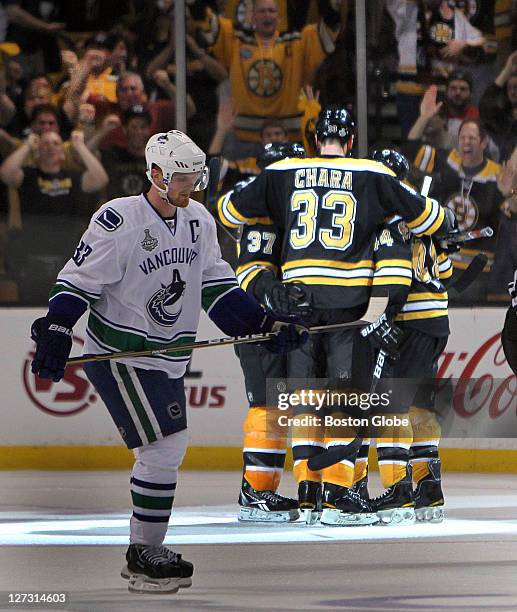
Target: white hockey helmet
[[172, 152]]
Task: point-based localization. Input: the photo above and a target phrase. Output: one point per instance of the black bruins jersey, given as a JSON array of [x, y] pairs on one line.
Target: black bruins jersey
[[259, 254], [328, 210]]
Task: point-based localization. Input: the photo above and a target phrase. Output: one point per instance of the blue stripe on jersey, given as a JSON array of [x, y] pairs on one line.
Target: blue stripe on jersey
[[219, 281], [61, 281], [141, 332]]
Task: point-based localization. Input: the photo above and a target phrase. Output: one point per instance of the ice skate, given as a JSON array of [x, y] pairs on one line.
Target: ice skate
[[345, 507], [428, 495], [309, 500], [265, 506], [155, 569], [361, 488], [396, 506]]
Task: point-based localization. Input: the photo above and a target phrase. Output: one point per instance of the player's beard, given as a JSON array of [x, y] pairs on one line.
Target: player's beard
[[181, 201]]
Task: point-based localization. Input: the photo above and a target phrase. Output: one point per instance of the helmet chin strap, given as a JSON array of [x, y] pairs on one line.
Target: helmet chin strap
[[161, 191]]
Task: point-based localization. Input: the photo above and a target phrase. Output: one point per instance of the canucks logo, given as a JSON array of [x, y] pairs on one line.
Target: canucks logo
[[149, 242], [163, 307]]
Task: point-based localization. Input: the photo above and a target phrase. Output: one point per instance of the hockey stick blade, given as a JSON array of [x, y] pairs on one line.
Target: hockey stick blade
[[376, 306], [474, 269], [335, 454], [339, 453]]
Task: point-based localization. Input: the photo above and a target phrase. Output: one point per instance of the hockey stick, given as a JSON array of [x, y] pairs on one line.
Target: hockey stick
[[485, 232], [376, 306], [474, 269], [336, 454], [214, 165]]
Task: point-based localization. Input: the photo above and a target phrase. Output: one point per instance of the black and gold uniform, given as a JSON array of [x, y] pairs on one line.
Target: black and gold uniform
[[421, 310], [328, 210], [264, 446]]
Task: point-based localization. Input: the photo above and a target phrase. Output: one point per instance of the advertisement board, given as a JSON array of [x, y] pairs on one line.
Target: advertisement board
[[39, 413]]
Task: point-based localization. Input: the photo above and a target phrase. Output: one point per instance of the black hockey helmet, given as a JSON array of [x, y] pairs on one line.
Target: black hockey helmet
[[394, 160], [275, 151], [335, 122]]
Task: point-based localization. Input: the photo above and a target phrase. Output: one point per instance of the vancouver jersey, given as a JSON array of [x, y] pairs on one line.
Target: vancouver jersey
[[328, 210], [146, 279]]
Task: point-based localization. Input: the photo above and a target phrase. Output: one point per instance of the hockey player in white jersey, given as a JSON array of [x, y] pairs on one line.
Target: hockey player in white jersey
[[145, 267]]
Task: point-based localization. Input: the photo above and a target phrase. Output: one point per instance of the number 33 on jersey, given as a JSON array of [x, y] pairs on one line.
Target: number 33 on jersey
[[328, 210]]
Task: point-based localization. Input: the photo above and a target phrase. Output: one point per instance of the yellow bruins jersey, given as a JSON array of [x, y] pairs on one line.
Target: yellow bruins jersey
[[266, 79], [328, 210], [413, 273]]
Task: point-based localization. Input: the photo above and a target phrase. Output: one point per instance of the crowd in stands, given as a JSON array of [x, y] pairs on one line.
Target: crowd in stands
[[84, 84]]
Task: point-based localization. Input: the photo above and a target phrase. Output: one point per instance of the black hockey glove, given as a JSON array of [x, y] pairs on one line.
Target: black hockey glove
[[449, 225], [292, 333], [288, 299], [384, 335], [450, 247], [53, 338]]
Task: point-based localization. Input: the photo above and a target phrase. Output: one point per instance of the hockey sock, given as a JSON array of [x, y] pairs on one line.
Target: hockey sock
[[393, 444], [153, 486], [307, 441], [341, 473], [361, 463], [426, 437], [264, 449]]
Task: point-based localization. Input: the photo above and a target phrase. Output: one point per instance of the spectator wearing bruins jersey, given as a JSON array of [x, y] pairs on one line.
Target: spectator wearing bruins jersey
[[268, 69], [329, 209], [292, 14], [474, 187], [414, 272]]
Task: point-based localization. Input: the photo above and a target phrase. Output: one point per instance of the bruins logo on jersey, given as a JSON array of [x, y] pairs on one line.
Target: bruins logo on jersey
[[265, 78], [162, 306], [466, 210], [441, 32]]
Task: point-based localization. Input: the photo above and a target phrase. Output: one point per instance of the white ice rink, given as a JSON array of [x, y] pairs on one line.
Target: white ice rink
[[68, 531]]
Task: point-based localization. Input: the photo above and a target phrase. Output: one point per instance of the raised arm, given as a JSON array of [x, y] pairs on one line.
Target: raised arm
[[429, 107], [11, 171], [213, 67], [94, 178]]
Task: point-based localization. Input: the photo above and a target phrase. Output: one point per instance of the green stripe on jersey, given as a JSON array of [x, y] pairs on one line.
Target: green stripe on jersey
[[59, 288], [128, 341], [137, 403], [152, 503], [210, 294]]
